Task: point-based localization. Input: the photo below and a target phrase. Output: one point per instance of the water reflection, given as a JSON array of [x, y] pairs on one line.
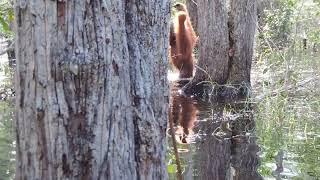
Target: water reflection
[[183, 113], [217, 140]]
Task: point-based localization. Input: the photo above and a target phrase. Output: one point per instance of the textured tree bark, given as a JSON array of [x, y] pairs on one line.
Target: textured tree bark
[[92, 90], [214, 41], [214, 155], [226, 45], [228, 148], [193, 13], [243, 23], [245, 159]]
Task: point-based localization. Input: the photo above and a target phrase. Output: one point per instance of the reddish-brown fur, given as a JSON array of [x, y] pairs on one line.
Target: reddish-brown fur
[[182, 43], [183, 114]]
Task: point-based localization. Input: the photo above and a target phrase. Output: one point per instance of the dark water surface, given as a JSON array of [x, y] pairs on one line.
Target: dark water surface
[[275, 138], [213, 140]]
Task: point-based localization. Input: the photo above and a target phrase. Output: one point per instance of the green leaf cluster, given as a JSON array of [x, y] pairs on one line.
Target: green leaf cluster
[[6, 18]]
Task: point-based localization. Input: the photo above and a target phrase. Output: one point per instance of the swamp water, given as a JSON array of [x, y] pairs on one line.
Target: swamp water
[[275, 136]]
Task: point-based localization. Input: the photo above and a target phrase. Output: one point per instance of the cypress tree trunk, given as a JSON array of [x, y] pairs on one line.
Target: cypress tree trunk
[[193, 13], [214, 41], [226, 42], [213, 45], [243, 22], [92, 90]]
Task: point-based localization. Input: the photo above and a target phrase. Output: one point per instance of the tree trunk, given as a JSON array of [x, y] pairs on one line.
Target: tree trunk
[[214, 41], [213, 154], [193, 13], [244, 148], [92, 90], [225, 45], [243, 19], [213, 45]]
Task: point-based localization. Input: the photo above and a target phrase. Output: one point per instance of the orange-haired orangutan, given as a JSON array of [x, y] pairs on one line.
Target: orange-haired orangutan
[[182, 42]]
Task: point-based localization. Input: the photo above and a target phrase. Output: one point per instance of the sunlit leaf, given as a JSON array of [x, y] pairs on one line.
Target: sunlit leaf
[[4, 24], [171, 168], [10, 15]]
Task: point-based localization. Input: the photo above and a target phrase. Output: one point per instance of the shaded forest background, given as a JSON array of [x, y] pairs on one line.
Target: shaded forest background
[[285, 81]]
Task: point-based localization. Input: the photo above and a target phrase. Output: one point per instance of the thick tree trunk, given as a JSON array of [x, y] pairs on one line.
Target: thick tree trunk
[[225, 150], [245, 159], [193, 13], [214, 154], [225, 45], [92, 91], [214, 41], [243, 23]]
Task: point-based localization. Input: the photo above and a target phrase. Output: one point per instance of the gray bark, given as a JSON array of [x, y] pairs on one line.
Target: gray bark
[[226, 43], [243, 19], [214, 155], [227, 151], [92, 93], [193, 13], [214, 41]]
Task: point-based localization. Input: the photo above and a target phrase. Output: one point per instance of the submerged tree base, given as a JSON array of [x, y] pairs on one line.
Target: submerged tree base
[[212, 91], [216, 137]]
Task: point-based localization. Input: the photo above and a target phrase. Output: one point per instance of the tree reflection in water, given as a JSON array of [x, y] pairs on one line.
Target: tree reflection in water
[[218, 139]]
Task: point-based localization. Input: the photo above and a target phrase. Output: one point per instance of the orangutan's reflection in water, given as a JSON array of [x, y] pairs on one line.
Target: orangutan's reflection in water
[[225, 147], [183, 113]]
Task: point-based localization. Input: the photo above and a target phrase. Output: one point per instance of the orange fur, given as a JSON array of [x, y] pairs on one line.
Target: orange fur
[[182, 43], [183, 8], [183, 114]]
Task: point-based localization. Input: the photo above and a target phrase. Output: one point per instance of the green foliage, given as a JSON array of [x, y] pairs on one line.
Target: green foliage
[[7, 137], [286, 23], [6, 18], [278, 22], [289, 124], [288, 117]]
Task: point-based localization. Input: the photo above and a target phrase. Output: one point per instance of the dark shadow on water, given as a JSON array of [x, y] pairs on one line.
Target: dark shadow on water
[[214, 141]]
